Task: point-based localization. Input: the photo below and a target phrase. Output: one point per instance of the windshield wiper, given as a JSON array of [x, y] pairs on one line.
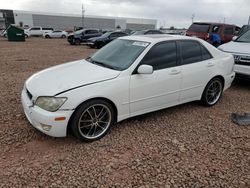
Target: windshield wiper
[[101, 63]]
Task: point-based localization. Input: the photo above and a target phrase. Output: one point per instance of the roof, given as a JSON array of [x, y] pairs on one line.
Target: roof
[[154, 38], [214, 23]]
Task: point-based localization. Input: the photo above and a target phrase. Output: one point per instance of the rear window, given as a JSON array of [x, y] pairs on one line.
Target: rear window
[[199, 27]]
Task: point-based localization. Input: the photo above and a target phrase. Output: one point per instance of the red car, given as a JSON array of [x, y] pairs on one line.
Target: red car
[[214, 33]]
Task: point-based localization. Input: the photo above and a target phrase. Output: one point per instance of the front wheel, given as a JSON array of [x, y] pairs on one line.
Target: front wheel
[[92, 120], [212, 92]]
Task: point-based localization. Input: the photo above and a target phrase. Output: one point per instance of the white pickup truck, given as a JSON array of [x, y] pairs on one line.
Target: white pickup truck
[[37, 31]]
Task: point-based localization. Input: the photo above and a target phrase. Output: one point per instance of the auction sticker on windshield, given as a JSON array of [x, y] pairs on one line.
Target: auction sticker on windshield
[[143, 44]]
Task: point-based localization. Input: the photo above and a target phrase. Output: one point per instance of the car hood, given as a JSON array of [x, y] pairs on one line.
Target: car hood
[[236, 47], [58, 79]]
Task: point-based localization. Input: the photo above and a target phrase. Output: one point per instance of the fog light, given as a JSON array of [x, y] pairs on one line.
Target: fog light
[[46, 127]]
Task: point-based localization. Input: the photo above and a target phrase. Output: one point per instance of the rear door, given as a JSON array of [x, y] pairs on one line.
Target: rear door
[[197, 68]]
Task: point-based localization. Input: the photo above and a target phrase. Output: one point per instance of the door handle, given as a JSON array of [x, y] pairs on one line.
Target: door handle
[[174, 72], [210, 64]]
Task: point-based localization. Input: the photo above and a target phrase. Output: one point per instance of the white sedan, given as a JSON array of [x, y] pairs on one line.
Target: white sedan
[[240, 48], [130, 76], [55, 34]]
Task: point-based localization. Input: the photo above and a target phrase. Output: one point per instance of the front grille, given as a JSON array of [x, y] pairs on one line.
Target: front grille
[[29, 94], [242, 60]]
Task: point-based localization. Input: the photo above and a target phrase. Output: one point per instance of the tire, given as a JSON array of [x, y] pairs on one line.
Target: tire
[[26, 36], [77, 41], [63, 36], [212, 92], [100, 45], [92, 120], [5, 35], [47, 36]]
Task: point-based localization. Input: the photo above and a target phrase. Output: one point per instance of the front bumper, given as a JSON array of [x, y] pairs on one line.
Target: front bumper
[[228, 80], [88, 43], [39, 117], [242, 69]]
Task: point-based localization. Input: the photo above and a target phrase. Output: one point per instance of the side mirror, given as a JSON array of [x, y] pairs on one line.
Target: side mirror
[[234, 38], [145, 69]]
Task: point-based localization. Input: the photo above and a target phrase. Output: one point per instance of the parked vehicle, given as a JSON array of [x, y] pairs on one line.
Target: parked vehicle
[[240, 48], [130, 76], [101, 41], [214, 33], [55, 34], [4, 33], [81, 36], [37, 31], [148, 32]]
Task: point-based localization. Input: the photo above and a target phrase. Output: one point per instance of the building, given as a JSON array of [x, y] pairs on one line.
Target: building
[[67, 21]]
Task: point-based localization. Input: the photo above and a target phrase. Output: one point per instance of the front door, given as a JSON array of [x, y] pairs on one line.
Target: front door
[[161, 89]]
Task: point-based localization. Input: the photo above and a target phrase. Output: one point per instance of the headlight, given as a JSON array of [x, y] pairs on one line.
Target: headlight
[[51, 104]]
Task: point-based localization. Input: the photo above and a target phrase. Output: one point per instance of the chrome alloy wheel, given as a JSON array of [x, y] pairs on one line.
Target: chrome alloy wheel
[[94, 121], [214, 92]]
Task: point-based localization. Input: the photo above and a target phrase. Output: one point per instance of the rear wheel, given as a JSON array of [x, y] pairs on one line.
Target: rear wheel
[[63, 36], [77, 41], [92, 120], [212, 92], [47, 36]]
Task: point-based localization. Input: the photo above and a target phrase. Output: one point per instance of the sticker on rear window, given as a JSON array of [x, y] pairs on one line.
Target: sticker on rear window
[[143, 44]]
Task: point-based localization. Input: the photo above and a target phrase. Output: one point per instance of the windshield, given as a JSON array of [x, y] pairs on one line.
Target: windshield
[[119, 54], [245, 37], [106, 34], [139, 33], [79, 32], [198, 27]]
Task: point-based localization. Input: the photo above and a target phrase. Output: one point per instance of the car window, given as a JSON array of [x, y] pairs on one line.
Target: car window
[[205, 53], [199, 27], [244, 38], [119, 53], [121, 34], [215, 29], [148, 33], [228, 30], [190, 51], [113, 35], [237, 30], [91, 31], [45, 28], [156, 32], [35, 28], [161, 56]]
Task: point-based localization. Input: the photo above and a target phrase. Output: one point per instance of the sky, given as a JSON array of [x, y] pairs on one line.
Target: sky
[[177, 13]]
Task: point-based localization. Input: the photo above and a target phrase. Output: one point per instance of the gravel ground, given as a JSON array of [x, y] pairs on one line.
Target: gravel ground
[[184, 146]]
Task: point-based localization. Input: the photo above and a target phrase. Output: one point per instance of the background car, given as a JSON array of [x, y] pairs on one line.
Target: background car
[[240, 48], [83, 35], [56, 34], [148, 32], [37, 31], [4, 33], [101, 41], [151, 72], [214, 33]]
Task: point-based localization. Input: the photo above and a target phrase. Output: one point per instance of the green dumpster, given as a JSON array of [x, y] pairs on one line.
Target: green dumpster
[[15, 33]]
